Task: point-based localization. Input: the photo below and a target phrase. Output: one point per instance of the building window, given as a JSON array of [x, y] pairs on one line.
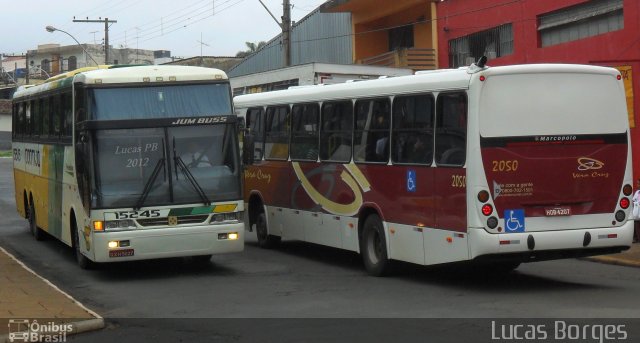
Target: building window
[[72, 63], [493, 43], [581, 21], [401, 37], [46, 65]]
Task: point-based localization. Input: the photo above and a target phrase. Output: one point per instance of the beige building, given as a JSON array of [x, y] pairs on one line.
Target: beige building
[[53, 59]]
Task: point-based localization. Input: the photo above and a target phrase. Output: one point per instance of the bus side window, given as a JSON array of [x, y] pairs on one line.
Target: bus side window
[[56, 118], [67, 119], [276, 142], [335, 135], [304, 132], [255, 124], [36, 118], [371, 133], [28, 125], [45, 109], [451, 129], [413, 129]]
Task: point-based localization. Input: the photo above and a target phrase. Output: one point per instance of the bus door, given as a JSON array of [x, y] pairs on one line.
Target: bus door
[[275, 172], [450, 176]]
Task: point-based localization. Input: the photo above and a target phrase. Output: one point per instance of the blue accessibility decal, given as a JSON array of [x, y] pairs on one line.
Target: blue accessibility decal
[[513, 221], [412, 186]]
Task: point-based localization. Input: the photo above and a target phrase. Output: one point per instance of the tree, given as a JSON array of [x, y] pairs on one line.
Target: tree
[[252, 47]]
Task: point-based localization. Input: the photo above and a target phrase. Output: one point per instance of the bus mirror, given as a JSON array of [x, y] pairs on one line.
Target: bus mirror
[[247, 149], [241, 124]]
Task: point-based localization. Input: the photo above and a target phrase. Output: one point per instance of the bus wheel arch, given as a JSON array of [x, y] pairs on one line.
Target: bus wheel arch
[[373, 243], [258, 216], [255, 207], [25, 202], [82, 260], [37, 233]]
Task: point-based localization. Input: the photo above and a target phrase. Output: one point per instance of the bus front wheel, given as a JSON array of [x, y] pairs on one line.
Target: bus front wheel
[[265, 240], [373, 247], [82, 260], [33, 226]]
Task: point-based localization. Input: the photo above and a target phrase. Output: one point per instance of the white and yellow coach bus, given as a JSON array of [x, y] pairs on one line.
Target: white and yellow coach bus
[[130, 163]]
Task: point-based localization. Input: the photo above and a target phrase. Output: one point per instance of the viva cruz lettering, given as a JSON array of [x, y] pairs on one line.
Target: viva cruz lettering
[[258, 175]]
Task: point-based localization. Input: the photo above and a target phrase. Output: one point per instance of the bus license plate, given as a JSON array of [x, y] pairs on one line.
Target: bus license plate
[[557, 211], [121, 253]]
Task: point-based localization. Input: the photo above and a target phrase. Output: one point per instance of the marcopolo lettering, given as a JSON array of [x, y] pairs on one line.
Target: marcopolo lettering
[[556, 138], [203, 120]]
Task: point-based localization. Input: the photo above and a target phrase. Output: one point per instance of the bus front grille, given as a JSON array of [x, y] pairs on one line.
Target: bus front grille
[[181, 220]]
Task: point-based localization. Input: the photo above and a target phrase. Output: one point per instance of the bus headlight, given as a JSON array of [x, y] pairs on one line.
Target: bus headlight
[[126, 224], [226, 217]]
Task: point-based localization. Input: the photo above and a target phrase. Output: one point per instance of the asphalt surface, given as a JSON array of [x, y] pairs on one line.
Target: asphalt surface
[[287, 291]]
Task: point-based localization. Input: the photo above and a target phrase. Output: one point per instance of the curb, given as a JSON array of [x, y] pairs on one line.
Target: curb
[[77, 327], [615, 261]]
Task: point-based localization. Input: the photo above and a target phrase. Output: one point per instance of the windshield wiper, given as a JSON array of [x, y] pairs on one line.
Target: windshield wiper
[[180, 163], [149, 184], [151, 181]]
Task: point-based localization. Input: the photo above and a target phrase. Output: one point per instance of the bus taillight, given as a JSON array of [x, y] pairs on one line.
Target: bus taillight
[[627, 189], [487, 209], [483, 196], [624, 203]]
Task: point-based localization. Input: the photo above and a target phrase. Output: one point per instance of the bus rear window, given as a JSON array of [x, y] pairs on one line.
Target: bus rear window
[[550, 104]]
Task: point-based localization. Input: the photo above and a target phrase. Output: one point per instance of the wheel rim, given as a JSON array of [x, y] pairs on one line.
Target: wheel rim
[[261, 228], [374, 246]]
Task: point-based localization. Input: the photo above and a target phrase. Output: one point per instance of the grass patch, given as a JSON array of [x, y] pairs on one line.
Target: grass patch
[[5, 153]]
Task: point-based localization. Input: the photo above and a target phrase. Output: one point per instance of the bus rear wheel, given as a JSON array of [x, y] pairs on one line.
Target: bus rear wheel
[[33, 226], [265, 240], [373, 247], [82, 260]]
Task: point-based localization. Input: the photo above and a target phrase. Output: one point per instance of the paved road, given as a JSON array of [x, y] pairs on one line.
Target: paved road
[[307, 281]]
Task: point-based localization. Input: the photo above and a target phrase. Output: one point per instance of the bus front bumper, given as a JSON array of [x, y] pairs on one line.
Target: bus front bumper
[[548, 245], [168, 242]]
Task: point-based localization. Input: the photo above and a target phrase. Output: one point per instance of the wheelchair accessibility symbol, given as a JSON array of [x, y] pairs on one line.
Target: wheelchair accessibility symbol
[[411, 181], [514, 221]]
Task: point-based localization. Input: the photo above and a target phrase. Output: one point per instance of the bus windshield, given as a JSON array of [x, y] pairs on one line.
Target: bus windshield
[[161, 166], [160, 101]]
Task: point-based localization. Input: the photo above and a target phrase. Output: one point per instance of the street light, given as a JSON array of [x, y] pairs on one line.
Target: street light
[[50, 28]]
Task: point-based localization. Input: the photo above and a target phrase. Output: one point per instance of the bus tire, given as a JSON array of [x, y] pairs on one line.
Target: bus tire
[[82, 260], [33, 226], [201, 259], [373, 247], [265, 240]]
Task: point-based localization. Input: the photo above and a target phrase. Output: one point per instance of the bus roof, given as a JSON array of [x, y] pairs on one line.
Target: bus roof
[[129, 74], [426, 81], [446, 80]]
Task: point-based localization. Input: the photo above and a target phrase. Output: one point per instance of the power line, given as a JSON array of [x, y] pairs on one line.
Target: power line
[[163, 20]]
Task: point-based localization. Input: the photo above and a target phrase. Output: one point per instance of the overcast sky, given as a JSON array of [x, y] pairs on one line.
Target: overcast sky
[[174, 25]]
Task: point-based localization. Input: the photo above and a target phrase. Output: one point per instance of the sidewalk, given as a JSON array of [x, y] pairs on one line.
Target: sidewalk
[[29, 301], [630, 258]]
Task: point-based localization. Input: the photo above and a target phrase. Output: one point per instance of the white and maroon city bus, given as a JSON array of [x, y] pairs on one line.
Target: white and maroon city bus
[[499, 165]]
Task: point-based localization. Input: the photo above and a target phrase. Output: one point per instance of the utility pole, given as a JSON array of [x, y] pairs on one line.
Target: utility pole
[[286, 29], [106, 33], [26, 77]]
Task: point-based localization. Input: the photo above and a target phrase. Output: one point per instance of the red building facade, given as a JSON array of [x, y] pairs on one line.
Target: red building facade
[[596, 32]]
